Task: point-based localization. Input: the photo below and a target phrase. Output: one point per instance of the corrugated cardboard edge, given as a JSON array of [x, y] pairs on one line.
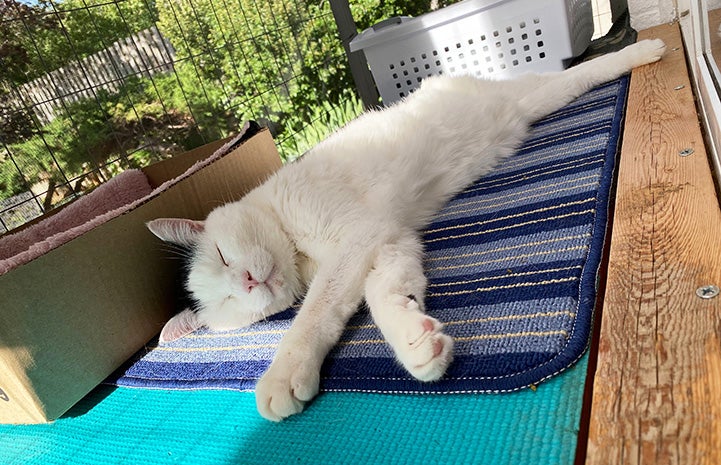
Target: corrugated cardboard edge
[[72, 316]]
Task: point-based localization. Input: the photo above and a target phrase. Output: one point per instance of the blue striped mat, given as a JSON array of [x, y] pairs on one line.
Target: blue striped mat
[[512, 264]]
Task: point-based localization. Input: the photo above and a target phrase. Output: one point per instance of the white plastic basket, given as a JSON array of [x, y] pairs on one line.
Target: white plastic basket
[[494, 38]]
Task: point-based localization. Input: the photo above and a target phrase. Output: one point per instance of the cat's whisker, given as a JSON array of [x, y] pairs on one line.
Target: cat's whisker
[[177, 249], [181, 259]]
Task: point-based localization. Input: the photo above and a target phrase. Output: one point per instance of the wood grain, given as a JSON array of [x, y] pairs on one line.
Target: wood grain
[[657, 387]]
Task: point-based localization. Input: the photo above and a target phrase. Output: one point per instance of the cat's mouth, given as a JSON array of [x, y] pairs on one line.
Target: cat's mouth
[[274, 282]]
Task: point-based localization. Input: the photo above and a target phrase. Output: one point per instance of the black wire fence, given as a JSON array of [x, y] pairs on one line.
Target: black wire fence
[[89, 88]]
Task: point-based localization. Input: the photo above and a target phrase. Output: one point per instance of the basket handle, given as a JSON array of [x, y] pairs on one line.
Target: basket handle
[[390, 22]]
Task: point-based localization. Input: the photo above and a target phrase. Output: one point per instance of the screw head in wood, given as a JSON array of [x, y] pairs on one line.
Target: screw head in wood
[[685, 152], [708, 292]]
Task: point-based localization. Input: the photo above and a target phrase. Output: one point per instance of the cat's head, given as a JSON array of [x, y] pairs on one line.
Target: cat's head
[[242, 268]]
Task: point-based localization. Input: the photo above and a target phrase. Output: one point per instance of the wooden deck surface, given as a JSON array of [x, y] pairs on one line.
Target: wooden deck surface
[[657, 387]]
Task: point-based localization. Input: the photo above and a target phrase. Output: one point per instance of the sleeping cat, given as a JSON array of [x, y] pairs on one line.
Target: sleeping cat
[[343, 223]]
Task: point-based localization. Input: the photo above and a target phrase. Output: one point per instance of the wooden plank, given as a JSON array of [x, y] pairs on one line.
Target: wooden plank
[[657, 387]]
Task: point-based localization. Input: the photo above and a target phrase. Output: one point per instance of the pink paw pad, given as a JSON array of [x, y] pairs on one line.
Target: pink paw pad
[[437, 348], [428, 325]]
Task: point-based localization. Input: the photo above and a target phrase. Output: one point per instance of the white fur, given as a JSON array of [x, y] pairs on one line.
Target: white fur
[[343, 223]]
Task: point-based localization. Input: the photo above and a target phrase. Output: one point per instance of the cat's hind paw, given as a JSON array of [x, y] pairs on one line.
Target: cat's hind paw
[[648, 51], [284, 390]]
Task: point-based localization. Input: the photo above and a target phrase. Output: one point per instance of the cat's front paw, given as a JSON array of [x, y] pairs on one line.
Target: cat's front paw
[[428, 357], [285, 388], [420, 344]]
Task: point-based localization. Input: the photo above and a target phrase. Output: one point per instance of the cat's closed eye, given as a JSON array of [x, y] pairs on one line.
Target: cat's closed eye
[[220, 254]]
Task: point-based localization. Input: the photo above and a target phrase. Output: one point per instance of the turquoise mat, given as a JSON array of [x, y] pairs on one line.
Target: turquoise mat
[[139, 426]]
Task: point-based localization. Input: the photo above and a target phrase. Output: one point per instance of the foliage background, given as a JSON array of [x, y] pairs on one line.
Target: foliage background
[[279, 62]]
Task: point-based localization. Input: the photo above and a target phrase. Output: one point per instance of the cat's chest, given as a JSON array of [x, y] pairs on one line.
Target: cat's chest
[[317, 211]]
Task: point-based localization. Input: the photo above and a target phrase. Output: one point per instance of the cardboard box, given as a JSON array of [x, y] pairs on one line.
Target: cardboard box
[[69, 318]]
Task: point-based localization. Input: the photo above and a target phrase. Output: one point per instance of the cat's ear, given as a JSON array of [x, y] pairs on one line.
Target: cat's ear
[[181, 324], [177, 230]]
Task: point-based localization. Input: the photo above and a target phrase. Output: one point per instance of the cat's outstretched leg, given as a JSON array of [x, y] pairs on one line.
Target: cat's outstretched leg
[[552, 91], [394, 292], [294, 375]]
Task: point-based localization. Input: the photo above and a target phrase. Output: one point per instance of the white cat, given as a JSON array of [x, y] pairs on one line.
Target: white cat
[[344, 222]]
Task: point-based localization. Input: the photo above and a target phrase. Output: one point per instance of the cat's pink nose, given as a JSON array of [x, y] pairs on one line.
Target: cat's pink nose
[[248, 281]]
